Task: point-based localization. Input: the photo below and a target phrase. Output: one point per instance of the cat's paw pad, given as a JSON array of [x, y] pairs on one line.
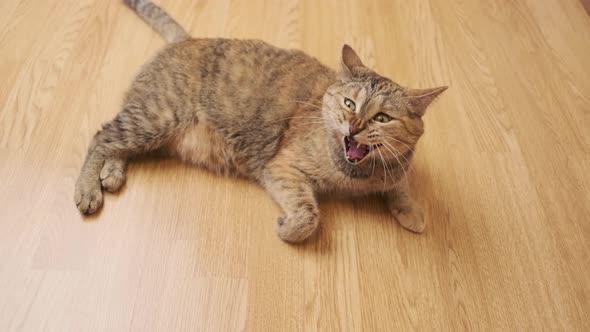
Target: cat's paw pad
[[412, 220], [296, 230], [112, 175], [88, 197]]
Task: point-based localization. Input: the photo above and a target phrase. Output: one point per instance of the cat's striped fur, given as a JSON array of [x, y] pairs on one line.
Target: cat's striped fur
[[278, 117]]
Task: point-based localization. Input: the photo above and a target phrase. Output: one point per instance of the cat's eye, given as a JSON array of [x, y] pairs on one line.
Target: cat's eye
[[382, 117], [350, 104]]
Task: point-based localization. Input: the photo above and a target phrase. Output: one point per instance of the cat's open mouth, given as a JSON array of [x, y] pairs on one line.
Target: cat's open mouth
[[355, 151]]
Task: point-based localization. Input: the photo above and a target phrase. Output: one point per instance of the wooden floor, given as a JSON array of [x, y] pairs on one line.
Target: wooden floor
[[503, 173]]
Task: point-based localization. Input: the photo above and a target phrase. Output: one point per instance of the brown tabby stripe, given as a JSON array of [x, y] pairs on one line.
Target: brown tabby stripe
[[277, 117]]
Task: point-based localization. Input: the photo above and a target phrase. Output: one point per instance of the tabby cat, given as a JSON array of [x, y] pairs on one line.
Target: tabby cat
[[277, 117]]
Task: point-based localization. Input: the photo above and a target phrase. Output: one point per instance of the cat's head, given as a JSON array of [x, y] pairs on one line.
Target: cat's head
[[371, 116]]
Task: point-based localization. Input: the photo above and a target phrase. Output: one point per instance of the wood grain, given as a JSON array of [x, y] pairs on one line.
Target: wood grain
[[502, 172]]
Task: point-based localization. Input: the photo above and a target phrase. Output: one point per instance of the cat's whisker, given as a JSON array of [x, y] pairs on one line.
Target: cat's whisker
[[374, 162], [396, 158], [394, 153], [401, 142], [391, 173], [301, 102], [410, 166], [306, 121], [309, 101], [297, 117], [408, 162], [384, 162], [385, 175]]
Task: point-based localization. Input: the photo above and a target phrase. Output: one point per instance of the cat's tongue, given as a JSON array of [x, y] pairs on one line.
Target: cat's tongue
[[355, 150]]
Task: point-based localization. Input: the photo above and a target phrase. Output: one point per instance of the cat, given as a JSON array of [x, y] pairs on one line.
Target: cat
[[277, 117]]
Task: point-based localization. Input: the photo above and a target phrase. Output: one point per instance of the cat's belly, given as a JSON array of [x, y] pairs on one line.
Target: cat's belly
[[205, 147]]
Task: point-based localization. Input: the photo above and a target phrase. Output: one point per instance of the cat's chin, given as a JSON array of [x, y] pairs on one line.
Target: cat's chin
[[355, 152]]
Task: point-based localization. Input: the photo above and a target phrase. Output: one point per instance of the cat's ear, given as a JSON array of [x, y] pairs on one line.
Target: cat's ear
[[350, 61], [419, 99]]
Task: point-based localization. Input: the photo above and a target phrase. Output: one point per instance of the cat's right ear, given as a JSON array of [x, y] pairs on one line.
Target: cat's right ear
[[350, 61]]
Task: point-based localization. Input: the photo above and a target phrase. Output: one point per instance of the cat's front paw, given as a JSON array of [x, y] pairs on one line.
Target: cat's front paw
[[296, 229], [411, 219], [88, 196]]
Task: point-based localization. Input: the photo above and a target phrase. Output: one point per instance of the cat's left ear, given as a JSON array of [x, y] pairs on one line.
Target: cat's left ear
[[350, 62], [419, 99]]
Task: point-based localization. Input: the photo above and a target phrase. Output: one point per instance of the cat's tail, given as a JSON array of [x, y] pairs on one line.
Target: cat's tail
[[159, 20]]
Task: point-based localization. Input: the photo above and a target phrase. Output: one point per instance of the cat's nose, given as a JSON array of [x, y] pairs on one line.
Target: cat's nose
[[354, 130]]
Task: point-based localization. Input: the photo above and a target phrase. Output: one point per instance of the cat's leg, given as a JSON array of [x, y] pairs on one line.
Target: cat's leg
[[88, 194], [404, 208], [104, 167], [133, 131], [295, 196]]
